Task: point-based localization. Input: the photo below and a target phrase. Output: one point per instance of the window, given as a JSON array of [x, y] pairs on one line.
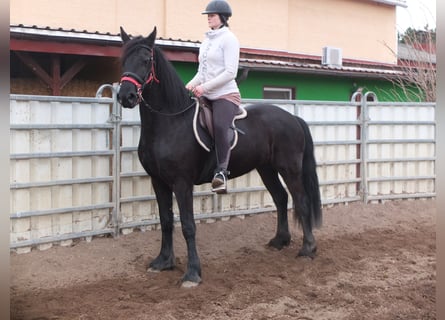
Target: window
[[284, 93]]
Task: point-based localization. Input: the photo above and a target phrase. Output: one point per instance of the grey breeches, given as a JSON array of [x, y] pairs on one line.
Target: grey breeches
[[223, 113]]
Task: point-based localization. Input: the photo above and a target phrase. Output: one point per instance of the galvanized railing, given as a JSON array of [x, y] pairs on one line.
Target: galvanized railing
[[364, 152]]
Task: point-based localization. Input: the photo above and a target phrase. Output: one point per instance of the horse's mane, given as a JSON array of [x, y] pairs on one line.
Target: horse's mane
[[171, 86]]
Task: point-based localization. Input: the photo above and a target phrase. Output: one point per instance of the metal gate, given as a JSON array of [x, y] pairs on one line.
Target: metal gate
[[75, 173]]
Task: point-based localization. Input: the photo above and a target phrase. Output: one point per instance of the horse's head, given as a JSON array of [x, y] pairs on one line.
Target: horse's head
[[137, 67]]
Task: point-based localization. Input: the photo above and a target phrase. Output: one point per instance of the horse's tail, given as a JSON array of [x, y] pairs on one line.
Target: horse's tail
[[310, 178]]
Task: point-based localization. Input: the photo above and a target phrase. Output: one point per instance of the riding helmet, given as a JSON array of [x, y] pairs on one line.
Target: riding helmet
[[218, 6]]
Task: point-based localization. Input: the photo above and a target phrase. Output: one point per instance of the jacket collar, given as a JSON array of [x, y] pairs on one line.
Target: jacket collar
[[215, 33]]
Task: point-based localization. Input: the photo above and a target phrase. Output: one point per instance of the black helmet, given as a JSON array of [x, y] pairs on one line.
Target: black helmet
[[220, 7]]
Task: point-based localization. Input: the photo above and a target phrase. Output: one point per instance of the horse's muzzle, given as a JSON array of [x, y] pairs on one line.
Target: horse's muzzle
[[127, 98]]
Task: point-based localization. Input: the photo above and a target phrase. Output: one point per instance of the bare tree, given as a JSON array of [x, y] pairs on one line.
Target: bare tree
[[416, 58]]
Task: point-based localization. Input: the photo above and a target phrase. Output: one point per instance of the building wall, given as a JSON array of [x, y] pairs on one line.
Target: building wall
[[364, 29], [308, 87]]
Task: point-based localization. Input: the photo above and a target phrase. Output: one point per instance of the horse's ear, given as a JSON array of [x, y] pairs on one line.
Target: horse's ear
[[152, 37], [124, 36]]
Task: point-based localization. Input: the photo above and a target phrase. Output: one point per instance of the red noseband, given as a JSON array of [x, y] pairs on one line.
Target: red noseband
[[132, 80]]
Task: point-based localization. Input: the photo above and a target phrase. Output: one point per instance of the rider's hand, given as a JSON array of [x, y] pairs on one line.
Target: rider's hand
[[198, 91]]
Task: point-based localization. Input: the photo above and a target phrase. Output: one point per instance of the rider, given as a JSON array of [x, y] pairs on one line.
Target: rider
[[215, 80]]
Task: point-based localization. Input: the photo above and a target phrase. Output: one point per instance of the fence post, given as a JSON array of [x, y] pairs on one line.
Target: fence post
[[357, 98], [367, 97], [115, 118]]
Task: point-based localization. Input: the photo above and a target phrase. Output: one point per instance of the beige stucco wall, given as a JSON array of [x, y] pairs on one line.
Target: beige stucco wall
[[362, 28]]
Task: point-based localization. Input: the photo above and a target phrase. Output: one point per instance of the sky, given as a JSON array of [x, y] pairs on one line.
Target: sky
[[417, 15]]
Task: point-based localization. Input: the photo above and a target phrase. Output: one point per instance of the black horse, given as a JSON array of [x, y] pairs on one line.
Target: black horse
[[275, 143]]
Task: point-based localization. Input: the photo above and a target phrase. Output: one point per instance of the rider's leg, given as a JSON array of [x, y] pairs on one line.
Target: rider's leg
[[223, 113]]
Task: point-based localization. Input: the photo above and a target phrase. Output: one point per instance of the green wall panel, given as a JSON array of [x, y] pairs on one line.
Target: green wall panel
[[307, 87]]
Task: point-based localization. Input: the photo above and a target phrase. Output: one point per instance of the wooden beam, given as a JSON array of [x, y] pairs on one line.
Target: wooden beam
[[56, 81], [35, 67], [71, 72], [55, 70]]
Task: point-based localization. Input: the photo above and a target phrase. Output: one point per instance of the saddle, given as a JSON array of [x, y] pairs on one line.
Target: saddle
[[203, 124]]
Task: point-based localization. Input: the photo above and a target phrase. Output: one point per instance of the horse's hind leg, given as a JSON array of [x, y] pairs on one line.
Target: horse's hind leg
[[302, 213], [279, 195], [166, 258]]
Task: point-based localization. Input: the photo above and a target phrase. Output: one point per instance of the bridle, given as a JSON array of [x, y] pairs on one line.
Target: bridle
[[137, 80], [151, 76]]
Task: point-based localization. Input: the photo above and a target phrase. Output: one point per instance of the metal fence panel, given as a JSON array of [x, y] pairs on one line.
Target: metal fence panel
[[401, 150], [75, 172], [60, 169], [334, 127]]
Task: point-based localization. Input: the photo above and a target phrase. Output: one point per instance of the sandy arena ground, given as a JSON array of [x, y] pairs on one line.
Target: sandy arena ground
[[374, 261]]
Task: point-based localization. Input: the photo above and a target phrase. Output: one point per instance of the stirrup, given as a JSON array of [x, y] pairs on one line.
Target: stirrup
[[219, 182]]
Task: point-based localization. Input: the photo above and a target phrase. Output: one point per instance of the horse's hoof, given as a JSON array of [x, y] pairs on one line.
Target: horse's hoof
[[160, 264], [152, 270], [278, 243], [189, 284], [190, 280], [307, 253]]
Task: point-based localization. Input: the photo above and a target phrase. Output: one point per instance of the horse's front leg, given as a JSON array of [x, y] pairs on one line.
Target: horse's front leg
[[184, 196], [166, 258]]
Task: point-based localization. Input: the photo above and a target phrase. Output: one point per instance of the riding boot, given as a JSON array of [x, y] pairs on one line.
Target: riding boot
[[219, 181]]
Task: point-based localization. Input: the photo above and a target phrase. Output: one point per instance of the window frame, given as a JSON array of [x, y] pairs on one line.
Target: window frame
[[288, 89]]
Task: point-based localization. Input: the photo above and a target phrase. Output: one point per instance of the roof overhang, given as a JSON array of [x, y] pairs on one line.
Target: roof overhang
[[400, 3], [48, 40], [318, 69]]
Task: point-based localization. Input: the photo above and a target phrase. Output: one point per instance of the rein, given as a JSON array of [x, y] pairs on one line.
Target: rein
[[171, 114]]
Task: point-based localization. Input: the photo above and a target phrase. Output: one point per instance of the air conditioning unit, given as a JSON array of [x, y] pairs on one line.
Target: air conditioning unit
[[331, 57]]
